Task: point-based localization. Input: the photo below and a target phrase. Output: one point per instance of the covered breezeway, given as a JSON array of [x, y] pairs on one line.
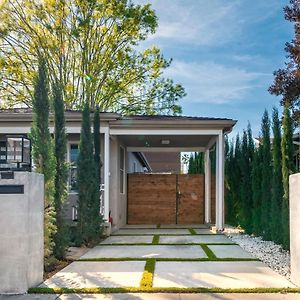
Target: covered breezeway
[[175, 134]]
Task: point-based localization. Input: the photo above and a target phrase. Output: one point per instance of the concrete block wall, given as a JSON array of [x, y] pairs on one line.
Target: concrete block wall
[[294, 227], [21, 234]]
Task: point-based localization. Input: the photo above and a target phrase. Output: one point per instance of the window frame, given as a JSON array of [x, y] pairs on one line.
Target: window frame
[[70, 143], [122, 170]]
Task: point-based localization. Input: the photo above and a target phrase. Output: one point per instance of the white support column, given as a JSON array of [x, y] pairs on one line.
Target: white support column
[[220, 182], [106, 174], [207, 188]]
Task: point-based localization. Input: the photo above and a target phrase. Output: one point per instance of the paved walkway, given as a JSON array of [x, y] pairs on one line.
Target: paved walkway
[[186, 257], [157, 296]]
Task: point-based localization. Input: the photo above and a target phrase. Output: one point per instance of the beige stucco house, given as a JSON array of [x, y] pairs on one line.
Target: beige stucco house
[[124, 140]]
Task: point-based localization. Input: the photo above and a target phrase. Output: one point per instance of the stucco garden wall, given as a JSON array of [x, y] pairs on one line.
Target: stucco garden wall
[[294, 227], [21, 234]]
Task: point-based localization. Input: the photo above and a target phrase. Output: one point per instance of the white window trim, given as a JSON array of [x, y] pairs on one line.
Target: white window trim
[[124, 169]]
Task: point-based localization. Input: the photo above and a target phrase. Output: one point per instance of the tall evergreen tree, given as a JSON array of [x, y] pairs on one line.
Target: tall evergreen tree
[[61, 178], [236, 177], [88, 197], [256, 180], [229, 196], [43, 154], [246, 192], [287, 169], [98, 163], [266, 177], [97, 144], [277, 187], [243, 182], [191, 164]]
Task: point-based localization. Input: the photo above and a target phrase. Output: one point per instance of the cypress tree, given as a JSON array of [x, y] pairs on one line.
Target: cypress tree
[[246, 193], [246, 197], [229, 171], [277, 188], [61, 178], [191, 164], [98, 164], [43, 155], [88, 231], [236, 178], [266, 177], [256, 179], [287, 169], [97, 144]]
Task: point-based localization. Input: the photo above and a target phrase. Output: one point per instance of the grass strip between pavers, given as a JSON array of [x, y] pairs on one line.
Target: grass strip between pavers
[[208, 252], [147, 278], [99, 290], [166, 259], [158, 226], [192, 231], [155, 240]]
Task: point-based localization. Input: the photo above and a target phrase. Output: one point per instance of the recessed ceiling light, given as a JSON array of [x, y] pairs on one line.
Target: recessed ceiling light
[[165, 142]]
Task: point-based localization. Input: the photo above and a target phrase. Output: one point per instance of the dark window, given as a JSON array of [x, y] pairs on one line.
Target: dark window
[[74, 152]]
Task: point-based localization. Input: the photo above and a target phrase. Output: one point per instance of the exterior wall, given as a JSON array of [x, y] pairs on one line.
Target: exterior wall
[[117, 200], [22, 234], [294, 227], [164, 162]]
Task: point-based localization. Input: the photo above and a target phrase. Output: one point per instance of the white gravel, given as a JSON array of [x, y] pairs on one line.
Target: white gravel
[[270, 253]]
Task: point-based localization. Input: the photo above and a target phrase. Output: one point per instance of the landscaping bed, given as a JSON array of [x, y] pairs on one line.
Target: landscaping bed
[[270, 253]]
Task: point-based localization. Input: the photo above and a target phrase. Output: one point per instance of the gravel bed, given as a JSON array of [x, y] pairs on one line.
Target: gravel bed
[[270, 253]]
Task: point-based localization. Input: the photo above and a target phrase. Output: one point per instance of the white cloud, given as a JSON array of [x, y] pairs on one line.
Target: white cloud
[[206, 22], [215, 83]]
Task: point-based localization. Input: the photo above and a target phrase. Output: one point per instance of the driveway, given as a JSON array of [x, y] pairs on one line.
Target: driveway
[[178, 257]]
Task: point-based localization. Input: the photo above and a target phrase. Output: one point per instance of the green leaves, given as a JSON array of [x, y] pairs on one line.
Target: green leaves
[[90, 48]]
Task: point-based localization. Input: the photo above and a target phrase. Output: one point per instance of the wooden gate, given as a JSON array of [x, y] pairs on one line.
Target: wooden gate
[[165, 199]]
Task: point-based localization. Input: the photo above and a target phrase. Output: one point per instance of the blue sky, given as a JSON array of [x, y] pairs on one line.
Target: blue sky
[[224, 53]]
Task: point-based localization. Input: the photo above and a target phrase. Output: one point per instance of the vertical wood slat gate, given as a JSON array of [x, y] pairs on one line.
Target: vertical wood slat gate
[[165, 199]]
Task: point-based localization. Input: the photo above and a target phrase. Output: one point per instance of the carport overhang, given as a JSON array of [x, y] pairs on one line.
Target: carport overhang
[[176, 134]]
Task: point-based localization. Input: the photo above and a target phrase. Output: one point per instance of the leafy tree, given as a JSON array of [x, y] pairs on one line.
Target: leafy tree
[[266, 177], [286, 82], [43, 154], [287, 170], [277, 187], [61, 178], [88, 195], [90, 49]]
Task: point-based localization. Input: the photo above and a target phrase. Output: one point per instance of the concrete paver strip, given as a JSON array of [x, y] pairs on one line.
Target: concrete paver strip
[[240, 296], [229, 251], [128, 239], [142, 226], [217, 274], [151, 231], [29, 297], [129, 296], [204, 231], [155, 251], [156, 296], [183, 226], [98, 274], [186, 239]]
